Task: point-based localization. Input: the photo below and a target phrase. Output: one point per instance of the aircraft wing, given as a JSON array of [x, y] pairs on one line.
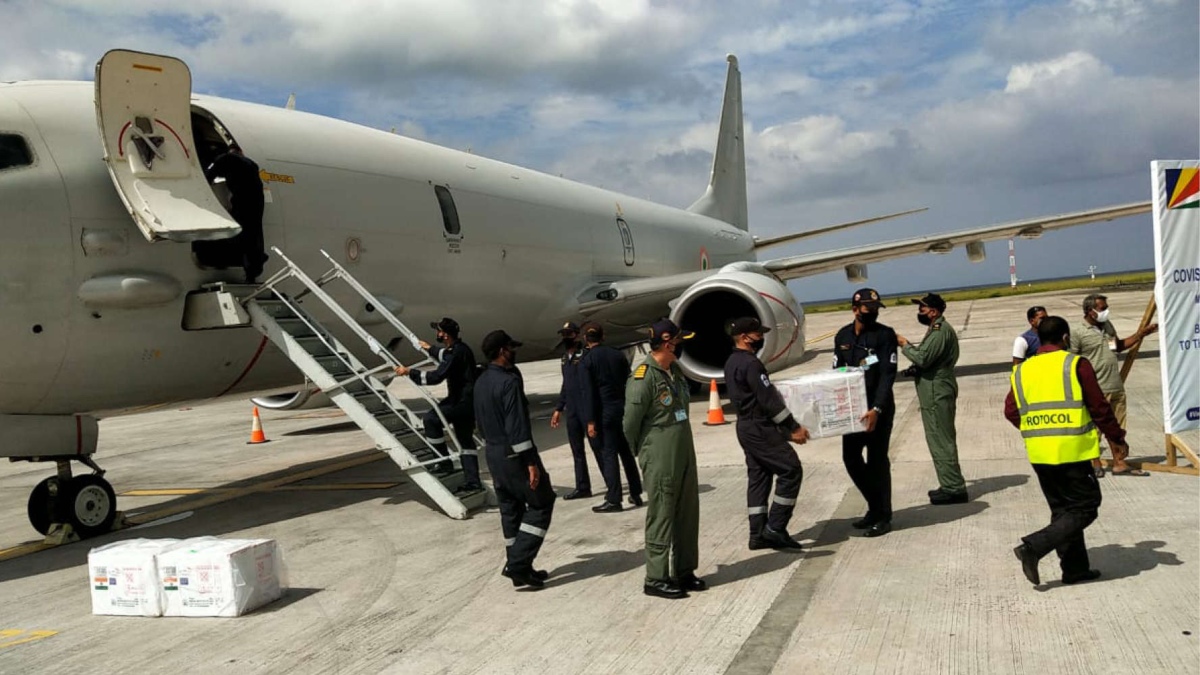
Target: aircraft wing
[[794, 267], [641, 300]]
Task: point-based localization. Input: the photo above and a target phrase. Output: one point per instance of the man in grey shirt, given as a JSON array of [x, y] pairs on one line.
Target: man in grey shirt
[[1096, 340]]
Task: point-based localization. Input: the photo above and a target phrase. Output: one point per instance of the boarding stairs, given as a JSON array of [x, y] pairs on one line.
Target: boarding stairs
[[276, 309]]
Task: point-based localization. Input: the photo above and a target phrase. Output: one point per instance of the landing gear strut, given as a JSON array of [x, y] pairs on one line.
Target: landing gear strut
[[86, 503]]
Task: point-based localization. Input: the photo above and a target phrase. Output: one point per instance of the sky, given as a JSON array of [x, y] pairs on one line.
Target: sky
[[984, 111]]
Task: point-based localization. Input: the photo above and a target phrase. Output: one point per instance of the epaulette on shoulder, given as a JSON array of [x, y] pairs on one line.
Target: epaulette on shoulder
[[640, 373]]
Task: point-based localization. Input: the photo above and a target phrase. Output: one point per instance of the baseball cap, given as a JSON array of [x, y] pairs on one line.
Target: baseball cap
[[665, 330], [496, 340], [747, 324], [568, 327], [867, 297], [446, 325], [931, 300]]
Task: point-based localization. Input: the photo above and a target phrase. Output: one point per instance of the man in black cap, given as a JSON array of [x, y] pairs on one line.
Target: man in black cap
[[603, 373], [933, 367], [570, 403], [657, 428], [523, 489], [456, 367], [764, 427], [241, 176], [870, 345]]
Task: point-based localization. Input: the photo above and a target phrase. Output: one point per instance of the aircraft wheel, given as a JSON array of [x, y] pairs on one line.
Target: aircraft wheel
[[90, 505], [41, 507]]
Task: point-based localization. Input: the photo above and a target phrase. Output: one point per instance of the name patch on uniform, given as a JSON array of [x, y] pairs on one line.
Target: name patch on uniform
[[640, 373], [681, 415]]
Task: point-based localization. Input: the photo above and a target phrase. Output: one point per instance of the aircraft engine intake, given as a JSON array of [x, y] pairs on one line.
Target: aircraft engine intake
[[740, 289]]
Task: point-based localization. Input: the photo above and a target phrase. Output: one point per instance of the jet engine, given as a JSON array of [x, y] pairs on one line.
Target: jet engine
[[306, 398], [739, 289]]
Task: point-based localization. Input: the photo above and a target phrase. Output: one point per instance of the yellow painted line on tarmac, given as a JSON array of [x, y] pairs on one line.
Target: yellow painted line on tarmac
[[235, 493], [11, 637], [218, 495], [24, 549], [169, 492], [337, 486], [820, 338]]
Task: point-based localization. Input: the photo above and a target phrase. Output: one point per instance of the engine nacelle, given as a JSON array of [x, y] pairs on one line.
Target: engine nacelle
[[709, 305], [304, 398]]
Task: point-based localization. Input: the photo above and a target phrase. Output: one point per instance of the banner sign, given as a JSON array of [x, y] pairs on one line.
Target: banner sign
[[1176, 188]]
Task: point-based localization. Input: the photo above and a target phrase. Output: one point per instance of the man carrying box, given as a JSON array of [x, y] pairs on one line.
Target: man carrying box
[[870, 345], [764, 427]]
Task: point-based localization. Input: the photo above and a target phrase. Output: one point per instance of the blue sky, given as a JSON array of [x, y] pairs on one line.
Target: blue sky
[[983, 111]]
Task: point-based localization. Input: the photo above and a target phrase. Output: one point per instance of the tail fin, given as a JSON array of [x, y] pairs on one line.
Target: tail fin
[[725, 198]]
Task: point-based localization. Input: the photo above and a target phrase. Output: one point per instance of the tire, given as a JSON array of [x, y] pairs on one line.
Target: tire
[[41, 507], [89, 504]]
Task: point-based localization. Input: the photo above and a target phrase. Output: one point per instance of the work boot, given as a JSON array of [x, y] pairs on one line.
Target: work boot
[[779, 540], [1029, 563], [691, 582], [864, 522], [537, 574], [1080, 577], [942, 498], [663, 589], [524, 577]]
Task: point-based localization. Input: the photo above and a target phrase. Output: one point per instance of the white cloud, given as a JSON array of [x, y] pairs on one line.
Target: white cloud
[[1067, 70]]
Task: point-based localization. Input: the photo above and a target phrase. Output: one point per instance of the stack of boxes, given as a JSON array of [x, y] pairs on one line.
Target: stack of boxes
[[205, 576]]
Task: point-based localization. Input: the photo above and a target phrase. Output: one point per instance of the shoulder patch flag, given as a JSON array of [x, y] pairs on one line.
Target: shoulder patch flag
[[640, 373]]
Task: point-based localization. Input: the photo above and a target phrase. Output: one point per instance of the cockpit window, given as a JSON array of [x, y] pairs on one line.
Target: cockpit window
[[14, 152]]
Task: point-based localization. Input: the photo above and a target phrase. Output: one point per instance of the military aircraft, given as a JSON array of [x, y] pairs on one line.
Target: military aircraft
[[105, 210]]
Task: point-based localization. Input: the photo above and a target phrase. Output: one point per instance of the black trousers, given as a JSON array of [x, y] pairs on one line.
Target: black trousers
[[769, 459], [872, 476], [524, 512], [576, 432], [462, 416], [613, 453], [1073, 494]]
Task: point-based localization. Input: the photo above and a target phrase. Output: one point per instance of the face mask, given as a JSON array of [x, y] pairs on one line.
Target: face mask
[[925, 319], [1101, 317], [757, 345], [569, 343], [677, 349], [868, 318]]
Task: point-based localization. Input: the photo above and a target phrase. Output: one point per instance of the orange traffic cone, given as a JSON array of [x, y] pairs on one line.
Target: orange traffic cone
[[256, 431], [716, 416]]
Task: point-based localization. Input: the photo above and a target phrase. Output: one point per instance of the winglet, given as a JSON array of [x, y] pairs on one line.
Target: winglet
[[725, 198]]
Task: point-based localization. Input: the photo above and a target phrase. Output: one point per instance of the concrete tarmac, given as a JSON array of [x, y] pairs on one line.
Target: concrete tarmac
[[382, 582]]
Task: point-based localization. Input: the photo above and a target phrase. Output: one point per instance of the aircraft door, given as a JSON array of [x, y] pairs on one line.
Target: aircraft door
[[143, 109]]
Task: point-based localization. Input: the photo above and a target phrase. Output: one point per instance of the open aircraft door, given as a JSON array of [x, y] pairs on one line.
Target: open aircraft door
[[143, 107]]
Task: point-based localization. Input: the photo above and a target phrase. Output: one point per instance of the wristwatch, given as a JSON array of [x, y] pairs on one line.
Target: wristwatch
[[877, 410]]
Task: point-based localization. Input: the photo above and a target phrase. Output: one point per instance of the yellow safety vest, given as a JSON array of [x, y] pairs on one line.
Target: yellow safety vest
[[1055, 423]]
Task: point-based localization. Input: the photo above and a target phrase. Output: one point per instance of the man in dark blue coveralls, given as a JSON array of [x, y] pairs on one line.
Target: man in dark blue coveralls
[[570, 405], [456, 367], [522, 485], [603, 373]]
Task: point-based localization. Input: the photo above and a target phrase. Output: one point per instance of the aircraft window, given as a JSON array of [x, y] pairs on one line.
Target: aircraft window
[[14, 152], [449, 211]]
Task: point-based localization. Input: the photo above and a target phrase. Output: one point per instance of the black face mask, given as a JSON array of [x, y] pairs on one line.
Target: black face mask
[[868, 318], [677, 349], [569, 343], [757, 345], [925, 319]]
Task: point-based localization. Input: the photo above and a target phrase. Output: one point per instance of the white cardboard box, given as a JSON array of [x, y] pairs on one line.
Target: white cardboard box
[[829, 403], [124, 577], [219, 577]]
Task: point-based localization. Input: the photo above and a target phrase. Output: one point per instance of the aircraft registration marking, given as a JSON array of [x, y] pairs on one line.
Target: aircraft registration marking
[[11, 637], [268, 177]]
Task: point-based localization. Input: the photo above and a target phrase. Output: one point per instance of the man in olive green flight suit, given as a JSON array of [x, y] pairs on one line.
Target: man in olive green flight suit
[[933, 367], [657, 428]]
